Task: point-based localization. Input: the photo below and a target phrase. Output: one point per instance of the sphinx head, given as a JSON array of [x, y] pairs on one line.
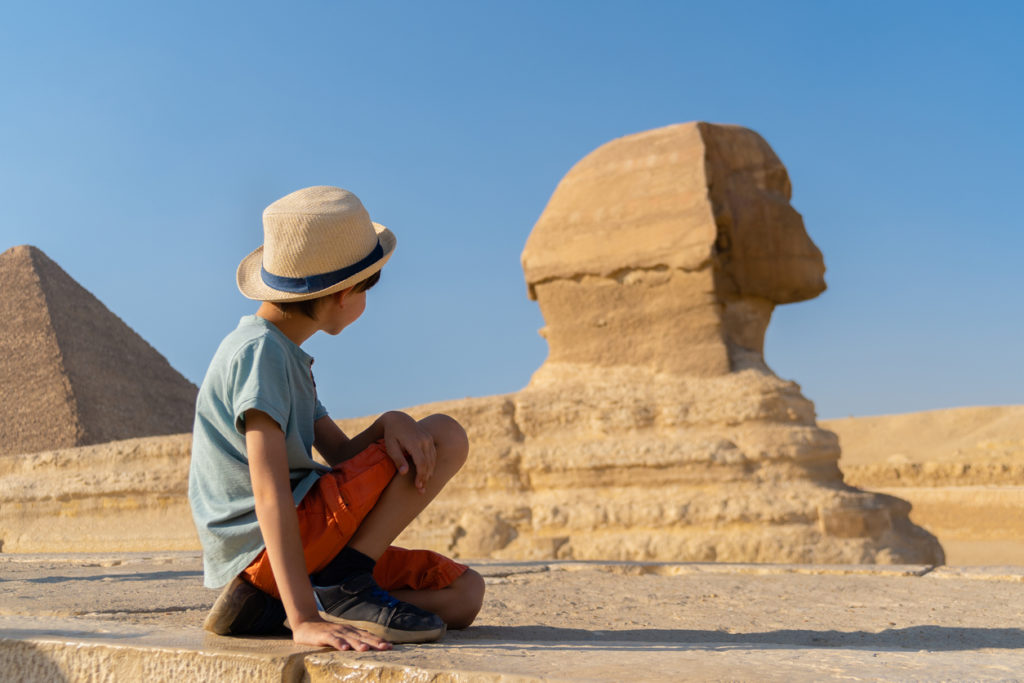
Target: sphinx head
[[668, 250]]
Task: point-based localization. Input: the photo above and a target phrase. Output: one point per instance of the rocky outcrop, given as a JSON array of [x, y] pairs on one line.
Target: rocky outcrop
[[71, 372], [962, 469], [667, 250], [124, 496], [654, 429]]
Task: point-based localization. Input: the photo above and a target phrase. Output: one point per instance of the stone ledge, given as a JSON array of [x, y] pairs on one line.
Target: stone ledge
[[77, 649], [1007, 573], [137, 616]]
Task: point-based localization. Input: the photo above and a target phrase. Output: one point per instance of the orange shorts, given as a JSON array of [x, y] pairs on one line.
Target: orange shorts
[[329, 516]]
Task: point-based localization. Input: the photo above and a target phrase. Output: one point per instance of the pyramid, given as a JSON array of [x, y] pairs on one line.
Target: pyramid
[[71, 372]]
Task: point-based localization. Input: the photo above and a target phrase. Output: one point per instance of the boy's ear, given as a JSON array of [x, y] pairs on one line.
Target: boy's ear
[[340, 295]]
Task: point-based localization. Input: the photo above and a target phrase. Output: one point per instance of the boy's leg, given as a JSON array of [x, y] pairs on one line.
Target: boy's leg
[[401, 502], [433, 582], [345, 585], [457, 605]]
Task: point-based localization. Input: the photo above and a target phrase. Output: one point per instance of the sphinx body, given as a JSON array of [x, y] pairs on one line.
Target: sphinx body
[[654, 429]]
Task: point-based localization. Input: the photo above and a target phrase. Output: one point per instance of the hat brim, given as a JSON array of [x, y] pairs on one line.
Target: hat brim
[[251, 284]]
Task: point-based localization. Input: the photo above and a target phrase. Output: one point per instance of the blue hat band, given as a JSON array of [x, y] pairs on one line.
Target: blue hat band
[[318, 283]]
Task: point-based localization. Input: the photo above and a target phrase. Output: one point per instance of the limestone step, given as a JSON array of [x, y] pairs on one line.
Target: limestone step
[[137, 616]]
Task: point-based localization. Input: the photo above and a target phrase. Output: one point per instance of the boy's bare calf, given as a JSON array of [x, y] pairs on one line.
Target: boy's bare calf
[[458, 604]]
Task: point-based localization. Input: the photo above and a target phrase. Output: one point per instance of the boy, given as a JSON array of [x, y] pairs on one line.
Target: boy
[[298, 544]]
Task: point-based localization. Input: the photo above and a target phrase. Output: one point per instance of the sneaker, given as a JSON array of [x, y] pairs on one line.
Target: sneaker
[[361, 603], [238, 602]]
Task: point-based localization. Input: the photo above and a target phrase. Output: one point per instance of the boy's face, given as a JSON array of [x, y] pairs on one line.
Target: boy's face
[[341, 310]]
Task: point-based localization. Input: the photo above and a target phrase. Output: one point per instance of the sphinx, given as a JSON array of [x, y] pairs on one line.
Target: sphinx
[[654, 430]]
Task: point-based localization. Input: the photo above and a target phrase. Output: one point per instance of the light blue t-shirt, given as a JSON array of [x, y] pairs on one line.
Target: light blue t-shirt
[[255, 367]]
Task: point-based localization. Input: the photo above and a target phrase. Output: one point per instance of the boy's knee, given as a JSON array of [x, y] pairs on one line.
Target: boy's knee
[[449, 436], [470, 587]]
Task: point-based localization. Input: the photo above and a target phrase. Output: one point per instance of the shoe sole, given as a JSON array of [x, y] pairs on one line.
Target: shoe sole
[[225, 610], [392, 635]]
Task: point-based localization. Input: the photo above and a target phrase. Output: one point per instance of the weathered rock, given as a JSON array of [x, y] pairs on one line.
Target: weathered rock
[[668, 250], [962, 469], [125, 495], [654, 429], [71, 372]]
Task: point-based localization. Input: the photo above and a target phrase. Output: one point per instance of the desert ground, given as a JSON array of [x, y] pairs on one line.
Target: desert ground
[[542, 621], [961, 469]]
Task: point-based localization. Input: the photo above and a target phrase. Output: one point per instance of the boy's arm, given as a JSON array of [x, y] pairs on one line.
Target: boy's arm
[[275, 511], [332, 443], [402, 436]]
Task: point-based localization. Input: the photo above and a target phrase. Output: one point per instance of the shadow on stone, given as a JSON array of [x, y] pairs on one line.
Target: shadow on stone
[[24, 634], [151, 576], [932, 638]]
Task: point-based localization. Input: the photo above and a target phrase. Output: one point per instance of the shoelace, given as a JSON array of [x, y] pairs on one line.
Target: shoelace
[[385, 597]]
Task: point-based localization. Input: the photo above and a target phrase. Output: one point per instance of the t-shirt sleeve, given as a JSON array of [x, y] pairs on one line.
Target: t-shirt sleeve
[[260, 382], [320, 410]]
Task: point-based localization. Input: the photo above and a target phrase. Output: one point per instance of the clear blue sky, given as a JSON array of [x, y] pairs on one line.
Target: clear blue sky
[[139, 143]]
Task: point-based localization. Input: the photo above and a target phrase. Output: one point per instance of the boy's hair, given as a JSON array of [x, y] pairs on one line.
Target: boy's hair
[[307, 307]]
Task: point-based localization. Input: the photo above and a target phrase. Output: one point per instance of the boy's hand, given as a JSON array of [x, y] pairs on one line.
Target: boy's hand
[[321, 633], [405, 439]]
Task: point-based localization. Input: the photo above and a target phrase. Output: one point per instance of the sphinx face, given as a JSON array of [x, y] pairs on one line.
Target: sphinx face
[[763, 249]]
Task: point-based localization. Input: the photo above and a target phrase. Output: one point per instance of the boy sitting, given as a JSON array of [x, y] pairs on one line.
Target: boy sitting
[[298, 544]]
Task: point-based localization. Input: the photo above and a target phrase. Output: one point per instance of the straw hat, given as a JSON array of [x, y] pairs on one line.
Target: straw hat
[[315, 241]]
